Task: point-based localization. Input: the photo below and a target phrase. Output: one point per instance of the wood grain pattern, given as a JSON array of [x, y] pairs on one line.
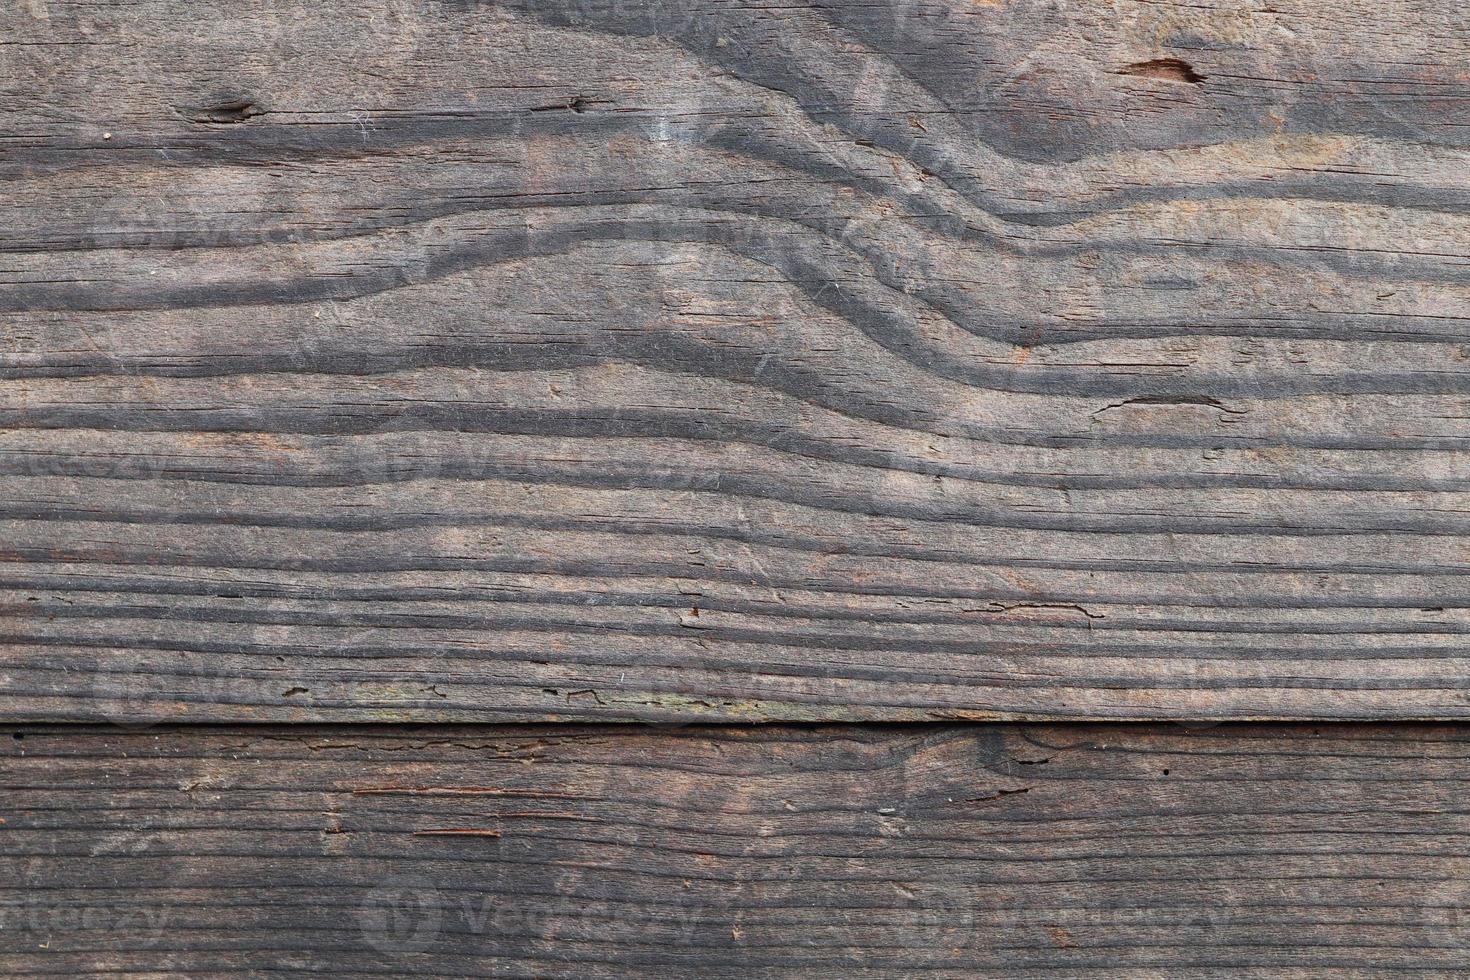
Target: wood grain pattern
[[430, 360], [755, 851]]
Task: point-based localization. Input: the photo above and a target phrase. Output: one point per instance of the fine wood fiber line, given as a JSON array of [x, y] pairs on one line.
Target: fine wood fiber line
[[754, 851], [463, 361]]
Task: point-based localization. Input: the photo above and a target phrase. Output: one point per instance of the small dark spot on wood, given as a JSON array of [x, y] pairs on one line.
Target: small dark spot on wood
[[228, 112], [291, 692], [1061, 937], [577, 104], [999, 795], [1164, 70]]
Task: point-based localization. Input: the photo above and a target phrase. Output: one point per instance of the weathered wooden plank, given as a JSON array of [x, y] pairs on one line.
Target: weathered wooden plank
[[761, 851], [458, 360]]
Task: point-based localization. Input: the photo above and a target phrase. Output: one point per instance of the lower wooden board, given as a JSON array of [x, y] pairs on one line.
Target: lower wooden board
[[934, 851]]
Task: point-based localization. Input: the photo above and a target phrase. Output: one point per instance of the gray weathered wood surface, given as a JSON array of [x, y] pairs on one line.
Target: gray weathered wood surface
[[993, 358], [754, 851]]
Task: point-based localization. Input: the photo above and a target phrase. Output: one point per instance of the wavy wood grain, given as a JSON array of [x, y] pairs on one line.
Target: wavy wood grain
[[765, 851], [457, 360]]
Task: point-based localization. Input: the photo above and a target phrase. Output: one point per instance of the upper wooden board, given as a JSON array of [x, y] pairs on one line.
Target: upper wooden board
[[403, 359]]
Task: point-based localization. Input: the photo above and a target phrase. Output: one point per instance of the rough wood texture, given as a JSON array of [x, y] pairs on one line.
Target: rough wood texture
[[450, 360], [748, 852]]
